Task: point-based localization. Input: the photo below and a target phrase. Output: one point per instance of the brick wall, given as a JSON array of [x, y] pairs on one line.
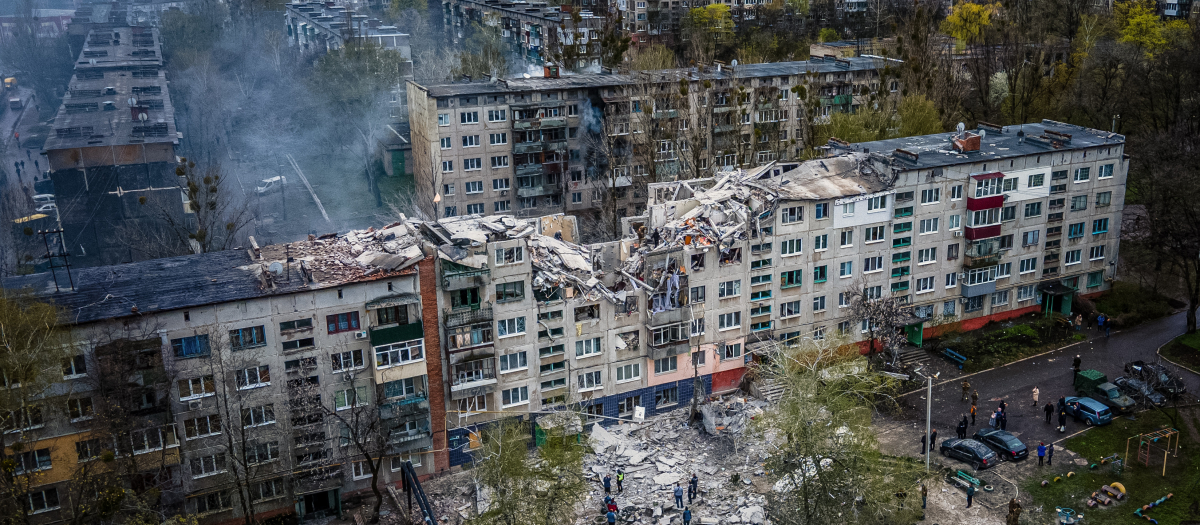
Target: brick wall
[[433, 362]]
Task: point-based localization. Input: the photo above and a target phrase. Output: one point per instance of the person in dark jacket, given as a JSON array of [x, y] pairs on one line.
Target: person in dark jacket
[[607, 484], [1062, 419], [923, 437], [1050, 454], [693, 487], [687, 516], [970, 495], [1049, 410], [1041, 451], [933, 441]]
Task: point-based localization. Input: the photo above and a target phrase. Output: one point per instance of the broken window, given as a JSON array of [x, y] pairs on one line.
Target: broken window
[[732, 256], [468, 336], [631, 340], [468, 298], [697, 261], [587, 312], [509, 255], [393, 314]]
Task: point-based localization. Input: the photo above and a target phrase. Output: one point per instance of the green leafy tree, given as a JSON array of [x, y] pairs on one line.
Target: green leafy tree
[[483, 52], [968, 21], [828, 34], [918, 116], [541, 488]]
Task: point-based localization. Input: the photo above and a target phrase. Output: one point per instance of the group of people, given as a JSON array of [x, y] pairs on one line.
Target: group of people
[[610, 504], [1102, 322]]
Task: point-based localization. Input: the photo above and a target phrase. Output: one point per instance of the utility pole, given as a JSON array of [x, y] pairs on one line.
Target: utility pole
[[928, 412]]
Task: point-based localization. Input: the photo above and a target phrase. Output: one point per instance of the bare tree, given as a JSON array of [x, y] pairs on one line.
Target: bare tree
[[214, 218], [884, 318]]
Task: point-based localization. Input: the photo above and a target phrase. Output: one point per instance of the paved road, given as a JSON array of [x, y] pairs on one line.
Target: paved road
[[1052, 374]]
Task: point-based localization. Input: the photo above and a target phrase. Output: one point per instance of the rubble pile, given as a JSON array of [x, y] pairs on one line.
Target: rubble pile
[[334, 258], [665, 450]]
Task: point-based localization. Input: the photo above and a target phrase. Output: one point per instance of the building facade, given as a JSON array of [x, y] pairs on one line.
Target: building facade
[[536, 146]]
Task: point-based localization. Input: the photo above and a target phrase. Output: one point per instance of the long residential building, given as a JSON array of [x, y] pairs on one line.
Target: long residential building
[[440, 328], [536, 146]]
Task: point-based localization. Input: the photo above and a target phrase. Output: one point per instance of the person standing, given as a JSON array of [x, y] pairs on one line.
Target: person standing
[[923, 438], [1108, 322], [678, 496], [992, 420], [975, 397], [693, 488], [611, 517], [1076, 364], [962, 428], [1049, 410], [620, 481], [1100, 321], [970, 495], [1003, 420], [933, 441], [1078, 322], [687, 516], [972, 415], [1035, 396], [1050, 454], [966, 389], [924, 495], [1041, 453], [1062, 419]]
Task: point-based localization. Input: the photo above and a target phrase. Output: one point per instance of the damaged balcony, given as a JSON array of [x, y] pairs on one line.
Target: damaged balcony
[[475, 377], [457, 277], [410, 435]]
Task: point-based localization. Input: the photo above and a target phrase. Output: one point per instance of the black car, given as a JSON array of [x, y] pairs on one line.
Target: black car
[[1157, 376], [1004, 443], [970, 451], [1139, 390]]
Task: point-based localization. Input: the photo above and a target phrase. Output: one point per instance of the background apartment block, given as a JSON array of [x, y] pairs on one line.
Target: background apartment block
[[534, 31], [249, 370], [563, 143]]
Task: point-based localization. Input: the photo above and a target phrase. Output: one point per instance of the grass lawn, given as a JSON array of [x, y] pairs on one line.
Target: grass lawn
[[1144, 484], [1184, 350], [1131, 304]]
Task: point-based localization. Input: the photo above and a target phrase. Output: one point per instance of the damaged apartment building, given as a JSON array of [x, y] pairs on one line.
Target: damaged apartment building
[[537, 146], [534, 31], [974, 226], [242, 379], [112, 148]]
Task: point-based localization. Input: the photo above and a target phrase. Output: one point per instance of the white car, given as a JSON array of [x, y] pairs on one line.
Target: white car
[[270, 185], [47, 208]]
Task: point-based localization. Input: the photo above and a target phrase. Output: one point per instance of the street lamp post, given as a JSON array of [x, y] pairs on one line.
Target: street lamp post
[[928, 413]]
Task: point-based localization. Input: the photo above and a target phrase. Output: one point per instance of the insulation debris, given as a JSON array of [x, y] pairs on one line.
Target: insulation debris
[[331, 259]]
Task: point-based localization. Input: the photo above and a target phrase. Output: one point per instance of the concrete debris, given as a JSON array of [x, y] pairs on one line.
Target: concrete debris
[[331, 259], [730, 417]]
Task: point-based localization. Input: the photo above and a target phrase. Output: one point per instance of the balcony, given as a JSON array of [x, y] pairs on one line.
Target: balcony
[[982, 232], [397, 334], [981, 261], [985, 203], [405, 407], [462, 277], [454, 318], [670, 349], [529, 169], [538, 123], [528, 147], [665, 317], [538, 190], [975, 290], [837, 100], [473, 378]]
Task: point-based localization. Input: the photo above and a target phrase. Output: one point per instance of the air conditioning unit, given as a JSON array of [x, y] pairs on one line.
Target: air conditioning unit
[[348, 377], [503, 193], [195, 405], [360, 335], [958, 233]]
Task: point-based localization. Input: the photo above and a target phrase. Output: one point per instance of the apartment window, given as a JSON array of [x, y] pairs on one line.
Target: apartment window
[[760, 264], [406, 352], [818, 304], [475, 209], [260, 415], [196, 387], [666, 397], [497, 139], [821, 210], [697, 327], [31, 461], [253, 377], [1008, 213], [1105, 171], [207, 465], [821, 242], [500, 162], [587, 347], [1000, 298], [956, 192], [446, 143], [1098, 226], [872, 264], [1082, 174], [1096, 253], [79, 409], [974, 304], [472, 164], [576, 197], [447, 166], [1075, 231], [873, 234], [791, 247], [590, 381], [74, 367], [1030, 238], [514, 362], [1026, 293], [729, 289], [846, 269], [793, 214], [1103, 199], [1079, 203], [926, 255], [985, 217], [929, 225], [339, 323], [931, 196], [925, 284], [729, 320], [497, 115], [848, 209], [666, 365], [951, 280], [902, 227], [1095, 279], [1009, 184], [443, 119], [468, 117], [789, 309], [470, 141], [1003, 270], [955, 222], [820, 274], [508, 292], [514, 326], [1035, 181], [451, 211], [1033, 209], [696, 294], [731, 351], [43, 501], [1028, 265], [350, 398], [202, 427], [1073, 257], [847, 238], [877, 203], [298, 324], [629, 372], [515, 396], [189, 347]]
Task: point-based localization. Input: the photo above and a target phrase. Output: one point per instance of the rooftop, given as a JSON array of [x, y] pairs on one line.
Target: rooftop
[[96, 110], [594, 80], [334, 19], [190, 281], [121, 48], [996, 143]]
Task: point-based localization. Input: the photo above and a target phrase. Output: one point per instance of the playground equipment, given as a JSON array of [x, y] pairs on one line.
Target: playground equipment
[[1068, 516], [1150, 440], [1115, 490], [1141, 513], [1104, 461]]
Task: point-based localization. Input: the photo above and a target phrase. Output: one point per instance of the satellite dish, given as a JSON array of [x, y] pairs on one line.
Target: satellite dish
[[527, 75], [733, 62], [983, 134], [132, 101], [276, 268], [961, 127], [92, 61], [142, 117]]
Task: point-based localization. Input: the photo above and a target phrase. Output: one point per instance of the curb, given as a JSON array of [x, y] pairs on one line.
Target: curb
[[960, 378], [1158, 352]]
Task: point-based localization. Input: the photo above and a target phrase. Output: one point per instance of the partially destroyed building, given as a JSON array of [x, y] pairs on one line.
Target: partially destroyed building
[[316, 28], [580, 143], [112, 150], [243, 380]]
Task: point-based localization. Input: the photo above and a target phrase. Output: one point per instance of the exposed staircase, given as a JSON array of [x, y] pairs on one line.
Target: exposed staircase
[[913, 356], [771, 391]]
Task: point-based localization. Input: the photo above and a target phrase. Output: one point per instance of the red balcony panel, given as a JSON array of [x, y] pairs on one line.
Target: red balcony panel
[[983, 232], [985, 176], [985, 203]]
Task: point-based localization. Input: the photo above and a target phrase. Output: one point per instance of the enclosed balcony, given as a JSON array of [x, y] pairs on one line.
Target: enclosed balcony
[[472, 378]]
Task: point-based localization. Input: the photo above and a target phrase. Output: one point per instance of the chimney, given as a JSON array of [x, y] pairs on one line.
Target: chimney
[[550, 70], [966, 142]]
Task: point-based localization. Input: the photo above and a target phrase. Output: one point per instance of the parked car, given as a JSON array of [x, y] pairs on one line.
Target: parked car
[[1095, 384], [47, 208], [1157, 376], [1004, 443], [1139, 390], [970, 451], [1088, 410], [43, 198], [270, 185]]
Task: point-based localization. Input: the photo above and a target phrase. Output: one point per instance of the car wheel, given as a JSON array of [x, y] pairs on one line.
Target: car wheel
[[975, 465], [1088, 422], [946, 452]]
